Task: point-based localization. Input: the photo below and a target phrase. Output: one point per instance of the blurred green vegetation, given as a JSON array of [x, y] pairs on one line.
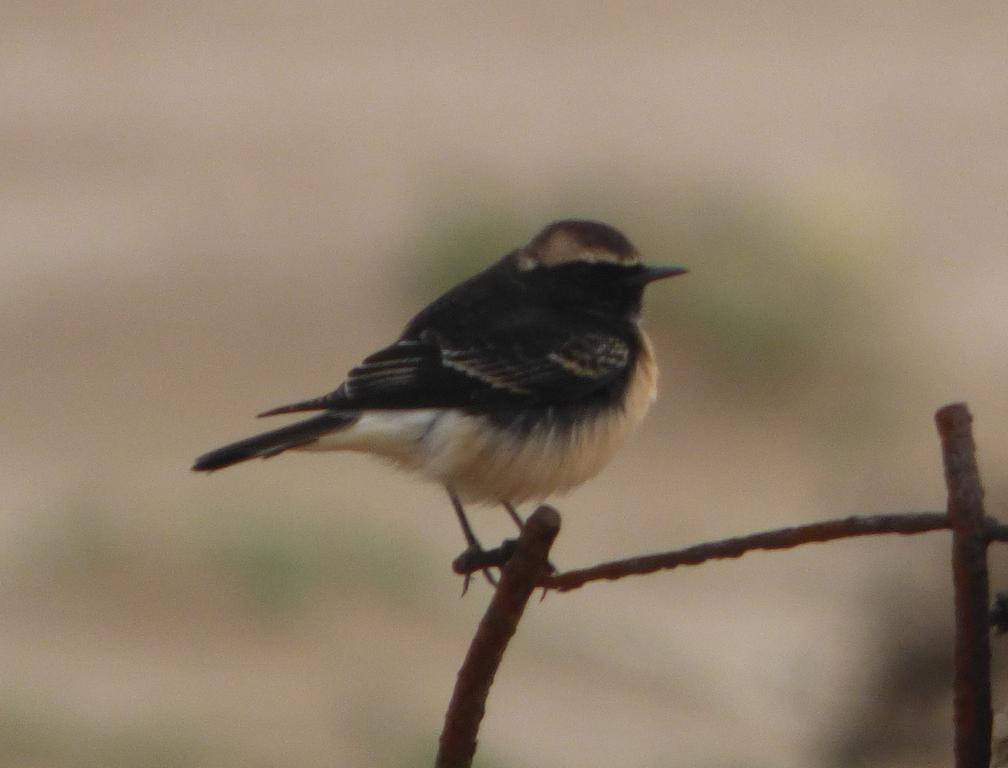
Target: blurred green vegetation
[[462, 245], [85, 536], [281, 563], [37, 733], [31, 734], [782, 285]]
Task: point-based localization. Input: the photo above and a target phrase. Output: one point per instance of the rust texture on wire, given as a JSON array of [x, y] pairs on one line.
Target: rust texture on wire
[[519, 578], [782, 538], [970, 536]]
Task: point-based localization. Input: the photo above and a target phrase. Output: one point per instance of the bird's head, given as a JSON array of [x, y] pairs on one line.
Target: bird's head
[[588, 265]]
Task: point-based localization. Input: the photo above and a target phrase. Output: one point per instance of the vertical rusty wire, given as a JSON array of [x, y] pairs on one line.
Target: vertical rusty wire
[[518, 580], [972, 590]]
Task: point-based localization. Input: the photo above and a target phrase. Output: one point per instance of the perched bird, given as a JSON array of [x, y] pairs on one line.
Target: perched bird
[[518, 383]]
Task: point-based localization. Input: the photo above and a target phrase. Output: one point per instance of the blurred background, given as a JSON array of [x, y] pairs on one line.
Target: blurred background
[[211, 209]]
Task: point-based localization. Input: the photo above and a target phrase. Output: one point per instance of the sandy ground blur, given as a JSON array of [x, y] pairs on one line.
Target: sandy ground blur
[[207, 211]]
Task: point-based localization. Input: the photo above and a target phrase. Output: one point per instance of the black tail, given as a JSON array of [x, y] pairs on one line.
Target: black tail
[[271, 443]]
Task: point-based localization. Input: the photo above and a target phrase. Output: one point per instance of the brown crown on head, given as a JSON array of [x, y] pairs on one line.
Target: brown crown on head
[[573, 240]]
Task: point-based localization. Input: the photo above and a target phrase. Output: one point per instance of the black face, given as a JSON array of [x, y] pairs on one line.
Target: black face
[[611, 290]]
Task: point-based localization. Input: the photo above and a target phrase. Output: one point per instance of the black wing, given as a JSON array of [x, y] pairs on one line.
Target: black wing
[[538, 360]]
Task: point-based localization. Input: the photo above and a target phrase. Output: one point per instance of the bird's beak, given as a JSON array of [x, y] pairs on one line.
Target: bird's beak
[[650, 274]]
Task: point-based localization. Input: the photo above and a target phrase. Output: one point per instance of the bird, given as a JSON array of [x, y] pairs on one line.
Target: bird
[[518, 383]]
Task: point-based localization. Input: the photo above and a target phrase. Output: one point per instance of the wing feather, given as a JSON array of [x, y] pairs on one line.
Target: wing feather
[[524, 363]]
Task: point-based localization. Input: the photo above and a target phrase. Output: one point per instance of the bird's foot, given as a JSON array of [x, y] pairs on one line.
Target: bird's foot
[[475, 558]]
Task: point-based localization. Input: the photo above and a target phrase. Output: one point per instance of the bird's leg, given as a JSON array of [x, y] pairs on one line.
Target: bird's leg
[[471, 540], [467, 530]]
